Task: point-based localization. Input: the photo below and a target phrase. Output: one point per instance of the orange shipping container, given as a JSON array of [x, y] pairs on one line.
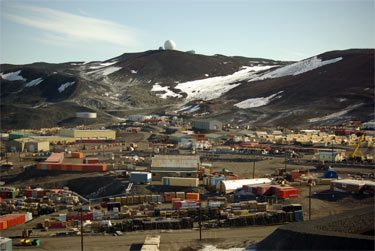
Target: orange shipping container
[[192, 196], [3, 225]]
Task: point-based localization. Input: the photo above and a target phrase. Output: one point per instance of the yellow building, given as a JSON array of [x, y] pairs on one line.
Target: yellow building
[[88, 134], [27, 144], [55, 139]]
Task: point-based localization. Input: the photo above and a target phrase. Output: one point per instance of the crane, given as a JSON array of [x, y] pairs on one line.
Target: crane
[[353, 156]]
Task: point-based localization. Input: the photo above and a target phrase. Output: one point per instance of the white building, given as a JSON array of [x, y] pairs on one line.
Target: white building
[[327, 156]]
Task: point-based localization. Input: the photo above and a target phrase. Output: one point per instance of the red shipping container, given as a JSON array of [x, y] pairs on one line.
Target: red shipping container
[[28, 193], [91, 161], [261, 190], [41, 193], [287, 193], [168, 196], [21, 218], [57, 225], [88, 216], [177, 204], [4, 194], [13, 219], [295, 174], [77, 155]]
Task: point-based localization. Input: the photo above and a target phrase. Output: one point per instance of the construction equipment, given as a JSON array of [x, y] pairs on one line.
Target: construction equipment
[[354, 156], [29, 242]]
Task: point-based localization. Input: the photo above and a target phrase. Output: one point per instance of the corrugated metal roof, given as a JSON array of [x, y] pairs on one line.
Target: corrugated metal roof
[[173, 161], [231, 185]]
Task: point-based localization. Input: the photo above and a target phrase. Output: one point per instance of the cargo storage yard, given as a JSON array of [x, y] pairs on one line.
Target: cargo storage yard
[[156, 185]]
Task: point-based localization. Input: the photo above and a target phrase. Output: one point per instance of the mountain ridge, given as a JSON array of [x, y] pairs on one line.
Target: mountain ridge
[[165, 81]]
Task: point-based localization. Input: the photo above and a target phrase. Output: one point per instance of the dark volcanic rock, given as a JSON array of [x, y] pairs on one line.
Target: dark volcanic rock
[[346, 231]]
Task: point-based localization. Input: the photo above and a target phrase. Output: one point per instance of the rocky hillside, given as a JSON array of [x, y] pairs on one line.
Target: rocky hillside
[[327, 88]]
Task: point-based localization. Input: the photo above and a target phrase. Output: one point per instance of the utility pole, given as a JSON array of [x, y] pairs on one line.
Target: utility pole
[[200, 220], [310, 185], [254, 168], [81, 230], [285, 159], [332, 151]]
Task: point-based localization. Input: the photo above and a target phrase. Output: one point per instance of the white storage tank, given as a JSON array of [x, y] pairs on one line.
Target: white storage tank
[[86, 115]]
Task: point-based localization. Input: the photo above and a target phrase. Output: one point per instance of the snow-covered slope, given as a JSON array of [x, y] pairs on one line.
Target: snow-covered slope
[[296, 68], [257, 102], [211, 88]]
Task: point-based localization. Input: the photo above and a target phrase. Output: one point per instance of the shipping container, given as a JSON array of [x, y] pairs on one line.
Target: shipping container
[[286, 193], [85, 217], [3, 224], [140, 177], [348, 185], [91, 161], [168, 196], [192, 196], [78, 155], [180, 195], [177, 181], [215, 180]]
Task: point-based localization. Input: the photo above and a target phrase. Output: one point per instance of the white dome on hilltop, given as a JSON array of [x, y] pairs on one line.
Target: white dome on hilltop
[[169, 45]]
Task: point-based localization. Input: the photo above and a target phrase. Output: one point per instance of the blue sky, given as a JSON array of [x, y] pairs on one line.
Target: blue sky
[[88, 30]]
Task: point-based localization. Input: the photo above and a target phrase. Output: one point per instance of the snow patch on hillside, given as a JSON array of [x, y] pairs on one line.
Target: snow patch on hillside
[[213, 248], [168, 93], [335, 115], [34, 82], [102, 65], [110, 70], [211, 88], [296, 68], [12, 76], [64, 86], [188, 109], [193, 109], [257, 102]]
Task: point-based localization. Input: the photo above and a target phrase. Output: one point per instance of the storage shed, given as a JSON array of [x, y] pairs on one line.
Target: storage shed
[[228, 186], [27, 144], [88, 134], [328, 156]]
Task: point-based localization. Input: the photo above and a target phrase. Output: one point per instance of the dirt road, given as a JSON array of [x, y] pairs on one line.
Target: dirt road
[[170, 240]]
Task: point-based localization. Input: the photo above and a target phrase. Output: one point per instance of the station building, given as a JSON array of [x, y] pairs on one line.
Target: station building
[[88, 134]]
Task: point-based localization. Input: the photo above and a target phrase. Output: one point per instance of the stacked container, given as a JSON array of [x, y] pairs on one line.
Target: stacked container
[[180, 195], [78, 155], [91, 161], [12, 220], [192, 196], [168, 196]]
